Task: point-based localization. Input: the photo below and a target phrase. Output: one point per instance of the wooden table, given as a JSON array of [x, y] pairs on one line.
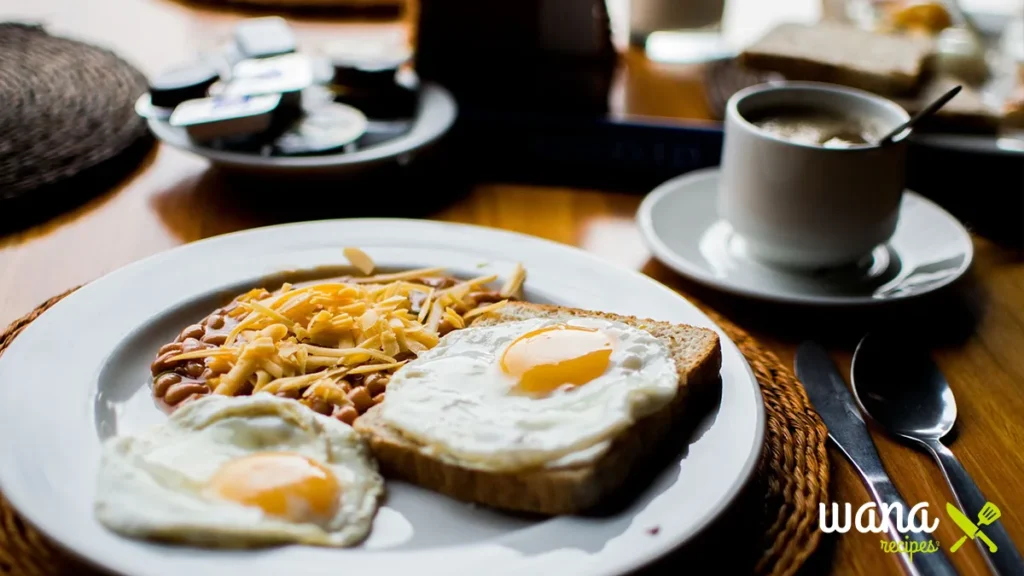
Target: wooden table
[[977, 330]]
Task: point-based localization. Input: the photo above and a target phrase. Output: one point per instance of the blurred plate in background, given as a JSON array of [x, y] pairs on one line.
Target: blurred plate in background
[[435, 114]]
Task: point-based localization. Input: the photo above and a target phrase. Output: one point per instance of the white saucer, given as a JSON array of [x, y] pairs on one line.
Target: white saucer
[[680, 225]]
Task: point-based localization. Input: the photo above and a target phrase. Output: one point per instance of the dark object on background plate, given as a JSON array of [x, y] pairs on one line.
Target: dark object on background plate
[[264, 37], [69, 133], [369, 70], [186, 82], [903, 390], [372, 79]]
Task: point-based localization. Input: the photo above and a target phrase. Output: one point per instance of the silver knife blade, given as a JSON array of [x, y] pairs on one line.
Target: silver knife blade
[[833, 402]]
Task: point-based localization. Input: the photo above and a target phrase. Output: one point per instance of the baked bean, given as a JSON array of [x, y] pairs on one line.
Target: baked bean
[[207, 374], [293, 394], [172, 347], [346, 414], [445, 327], [360, 399], [194, 331], [163, 363], [215, 339], [355, 380], [163, 382], [194, 368], [215, 321], [378, 398], [320, 406], [184, 389], [192, 345], [188, 399], [375, 383]]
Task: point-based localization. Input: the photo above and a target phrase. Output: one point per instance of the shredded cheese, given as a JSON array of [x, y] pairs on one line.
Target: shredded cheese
[[307, 339], [360, 260]]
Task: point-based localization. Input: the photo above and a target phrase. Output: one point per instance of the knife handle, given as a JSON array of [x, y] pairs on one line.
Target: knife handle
[[958, 544], [934, 563], [1002, 556]]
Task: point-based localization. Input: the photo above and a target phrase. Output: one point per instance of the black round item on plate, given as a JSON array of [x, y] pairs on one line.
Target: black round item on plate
[[368, 71], [322, 129], [361, 76], [68, 122], [187, 82]]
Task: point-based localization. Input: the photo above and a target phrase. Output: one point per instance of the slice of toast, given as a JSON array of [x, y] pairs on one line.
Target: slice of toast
[[571, 488], [842, 54], [966, 112]]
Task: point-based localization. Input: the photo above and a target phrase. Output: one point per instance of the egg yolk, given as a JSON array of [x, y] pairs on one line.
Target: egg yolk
[[548, 358], [284, 485]]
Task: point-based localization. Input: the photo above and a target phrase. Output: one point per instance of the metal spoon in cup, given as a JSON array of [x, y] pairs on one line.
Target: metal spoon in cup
[[903, 391], [925, 112]]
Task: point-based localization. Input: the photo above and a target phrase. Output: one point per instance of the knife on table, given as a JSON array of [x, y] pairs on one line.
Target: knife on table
[[833, 401]]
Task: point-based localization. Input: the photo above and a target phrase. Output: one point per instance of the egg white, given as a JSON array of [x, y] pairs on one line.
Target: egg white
[[455, 399], [151, 485]]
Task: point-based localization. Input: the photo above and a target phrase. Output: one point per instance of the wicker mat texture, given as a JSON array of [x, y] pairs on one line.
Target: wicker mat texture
[[68, 111], [792, 476]]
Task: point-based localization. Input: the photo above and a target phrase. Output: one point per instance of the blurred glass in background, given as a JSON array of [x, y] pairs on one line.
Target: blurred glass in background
[[680, 31]]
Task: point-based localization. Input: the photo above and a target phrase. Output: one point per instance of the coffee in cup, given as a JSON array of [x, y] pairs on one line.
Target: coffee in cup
[[817, 126]]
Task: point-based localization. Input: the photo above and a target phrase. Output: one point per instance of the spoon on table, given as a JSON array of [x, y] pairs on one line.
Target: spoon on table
[[924, 113], [904, 391]]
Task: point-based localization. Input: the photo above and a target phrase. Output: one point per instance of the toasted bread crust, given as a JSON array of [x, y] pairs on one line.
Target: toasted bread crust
[[571, 489]]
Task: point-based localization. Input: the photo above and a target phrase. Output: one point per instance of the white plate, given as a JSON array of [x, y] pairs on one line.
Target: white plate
[[680, 225], [435, 115], [80, 372]]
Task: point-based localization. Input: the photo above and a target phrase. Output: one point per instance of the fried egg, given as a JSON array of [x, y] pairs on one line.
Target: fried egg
[[240, 471], [539, 392]]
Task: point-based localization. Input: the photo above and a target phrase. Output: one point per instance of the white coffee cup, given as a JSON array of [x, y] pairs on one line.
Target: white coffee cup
[[807, 206]]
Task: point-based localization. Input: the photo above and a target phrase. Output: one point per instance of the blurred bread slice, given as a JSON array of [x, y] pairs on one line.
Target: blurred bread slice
[[842, 54], [966, 112], [569, 488]]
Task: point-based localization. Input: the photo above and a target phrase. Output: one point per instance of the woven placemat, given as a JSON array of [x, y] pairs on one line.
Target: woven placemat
[[793, 470], [68, 108]]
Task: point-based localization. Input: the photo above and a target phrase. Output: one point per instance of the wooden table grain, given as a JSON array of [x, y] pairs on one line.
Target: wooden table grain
[[975, 330]]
